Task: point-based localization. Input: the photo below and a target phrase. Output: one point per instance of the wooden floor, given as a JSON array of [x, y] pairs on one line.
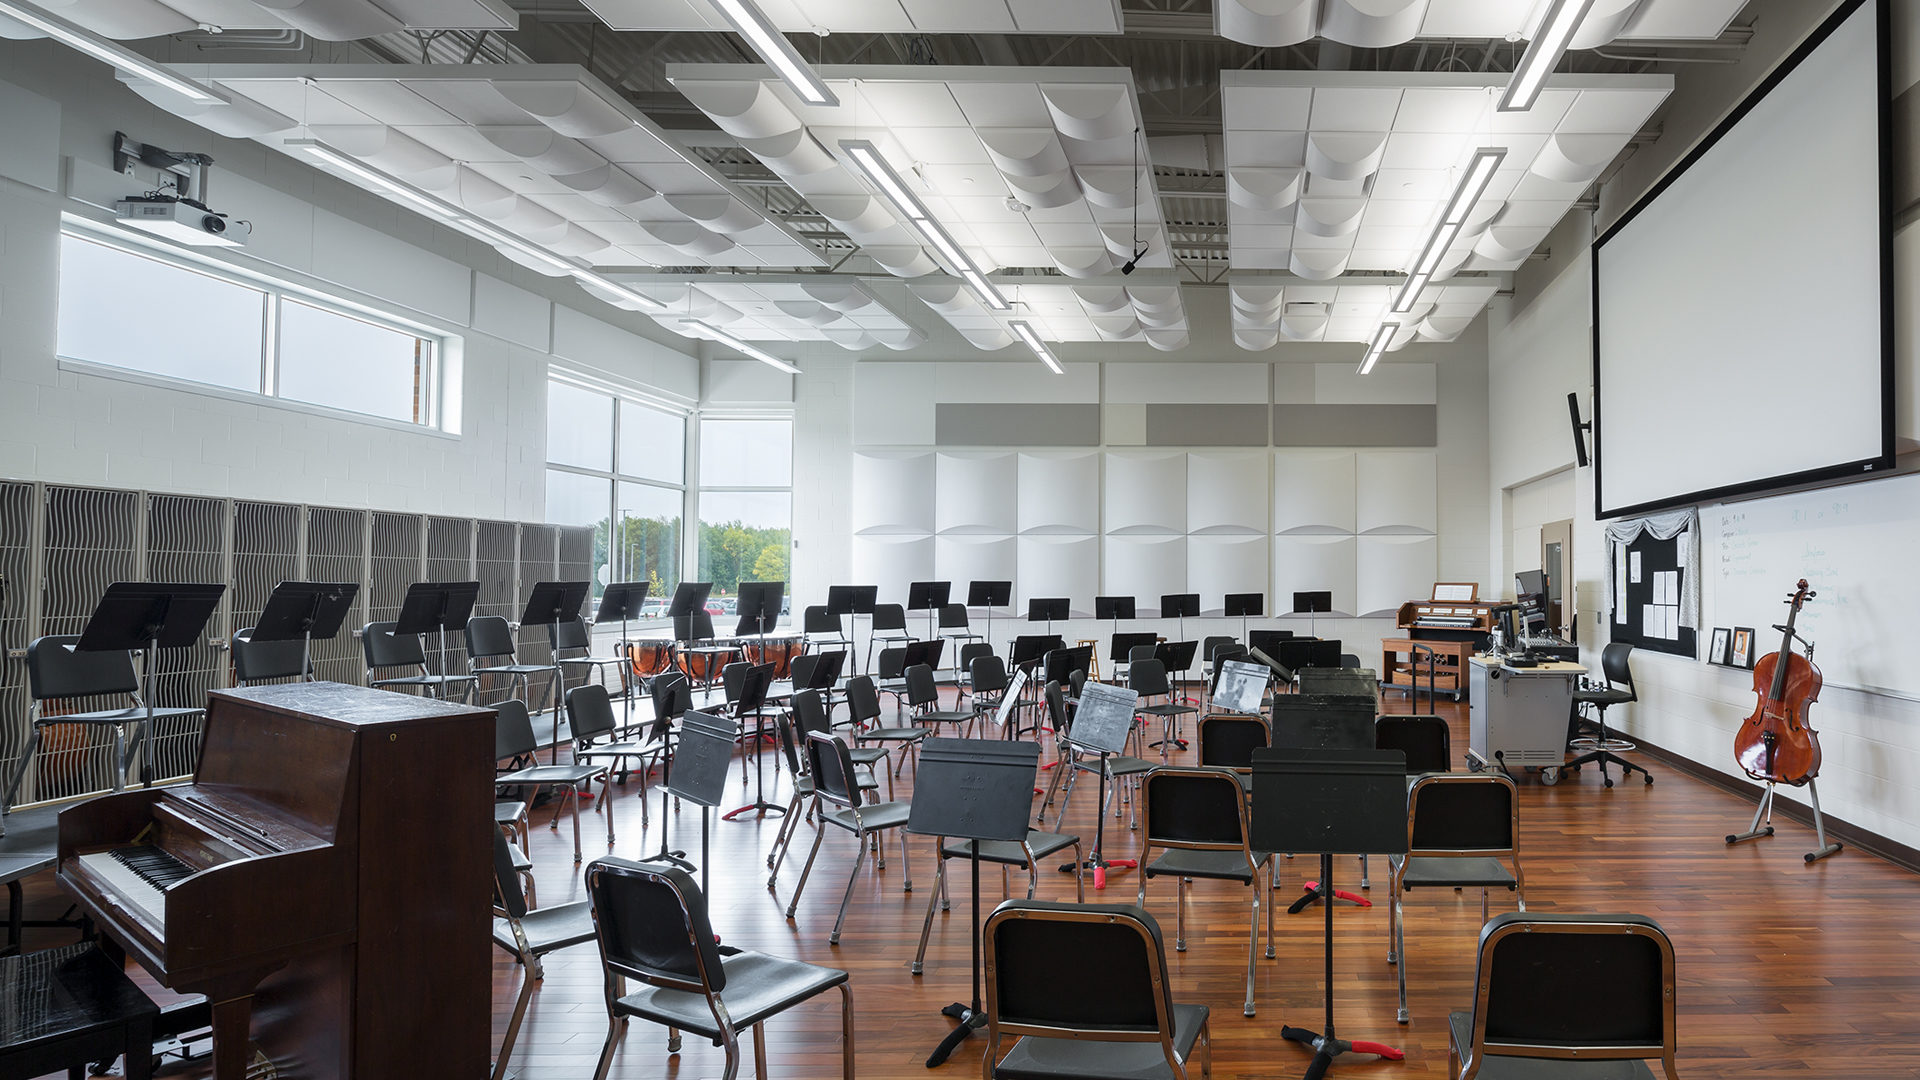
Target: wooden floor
[[1783, 967]]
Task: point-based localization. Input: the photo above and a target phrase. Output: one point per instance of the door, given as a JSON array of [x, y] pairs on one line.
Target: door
[[1556, 558]]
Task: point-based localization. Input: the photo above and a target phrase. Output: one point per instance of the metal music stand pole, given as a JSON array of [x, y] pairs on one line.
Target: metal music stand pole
[[547, 604]]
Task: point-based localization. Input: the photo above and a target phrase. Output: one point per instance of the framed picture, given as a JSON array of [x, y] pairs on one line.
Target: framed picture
[[1742, 656], [1722, 642]]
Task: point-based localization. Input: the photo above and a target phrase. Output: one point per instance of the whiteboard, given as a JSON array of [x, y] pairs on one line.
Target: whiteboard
[[1855, 546]]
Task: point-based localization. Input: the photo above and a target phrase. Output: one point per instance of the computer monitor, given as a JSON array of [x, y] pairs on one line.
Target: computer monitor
[[1530, 591]]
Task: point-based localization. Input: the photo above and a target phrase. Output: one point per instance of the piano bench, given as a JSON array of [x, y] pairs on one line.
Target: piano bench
[[69, 1007]]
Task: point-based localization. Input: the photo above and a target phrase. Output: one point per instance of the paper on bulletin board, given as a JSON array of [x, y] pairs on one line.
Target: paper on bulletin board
[[1620, 584], [1633, 575]]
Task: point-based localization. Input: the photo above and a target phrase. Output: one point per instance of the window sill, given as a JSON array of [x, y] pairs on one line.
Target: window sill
[[246, 397]]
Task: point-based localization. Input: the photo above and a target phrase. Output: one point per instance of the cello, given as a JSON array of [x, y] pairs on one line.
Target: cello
[[1777, 744]]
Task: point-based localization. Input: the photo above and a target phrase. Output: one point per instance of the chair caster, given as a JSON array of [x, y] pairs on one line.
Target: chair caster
[[1649, 779], [1550, 775], [1608, 781]]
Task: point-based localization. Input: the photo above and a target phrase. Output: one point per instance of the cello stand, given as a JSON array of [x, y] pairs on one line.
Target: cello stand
[[1756, 830]]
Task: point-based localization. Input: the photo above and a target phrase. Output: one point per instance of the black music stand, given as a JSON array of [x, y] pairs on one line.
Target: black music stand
[[1316, 722], [758, 605], [1326, 802], [1101, 723], [437, 606], [145, 617], [852, 600], [1242, 688], [930, 597], [753, 698], [305, 610], [1176, 657], [1244, 606], [1280, 671], [699, 776], [989, 595], [678, 702], [1313, 603], [1182, 606], [1114, 608], [1062, 662], [688, 597], [549, 604], [623, 601], [1030, 649], [1047, 609], [974, 790], [1120, 647]]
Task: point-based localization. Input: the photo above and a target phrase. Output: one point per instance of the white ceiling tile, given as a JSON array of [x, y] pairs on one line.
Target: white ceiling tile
[[940, 145], [1280, 149], [1545, 115], [473, 101], [1066, 16], [1269, 108], [389, 101], [679, 177], [1002, 104], [635, 145], [305, 104], [1415, 150], [948, 17], [1621, 112], [914, 104], [1478, 18], [1264, 236], [1259, 258], [460, 143], [1412, 184], [1445, 109], [1520, 212], [1535, 187], [1354, 108], [1399, 213], [1389, 238]]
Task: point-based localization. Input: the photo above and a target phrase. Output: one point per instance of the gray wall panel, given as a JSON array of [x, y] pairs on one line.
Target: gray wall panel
[[1356, 425], [1016, 424], [1206, 425]]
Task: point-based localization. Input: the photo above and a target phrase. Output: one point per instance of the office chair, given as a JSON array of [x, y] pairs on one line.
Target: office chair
[[1082, 989], [1459, 827], [842, 804], [651, 920], [1587, 997], [528, 934], [1604, 748]]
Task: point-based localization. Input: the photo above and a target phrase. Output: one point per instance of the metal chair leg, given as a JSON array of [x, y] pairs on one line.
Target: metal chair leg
[[926, 924], [859, 857], [819, 834], [616, 1026], [527, 979]]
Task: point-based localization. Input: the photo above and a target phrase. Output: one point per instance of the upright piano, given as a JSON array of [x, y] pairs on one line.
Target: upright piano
[[325, 881]]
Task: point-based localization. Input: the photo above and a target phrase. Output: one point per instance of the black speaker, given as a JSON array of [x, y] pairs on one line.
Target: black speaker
[[1579, 443]]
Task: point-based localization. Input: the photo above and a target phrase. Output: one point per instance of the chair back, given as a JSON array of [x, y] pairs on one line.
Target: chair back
[[695, 627], [971, 650], [815, 620], [987, 674], [753, 690], [672, 695], [1425, 740], [893, 663], [1572, 986], [1614, 665], [55, 669], [1077, 678], [921, 689], [863, 699], [953, 616], [831, 766], [1228, 740], [800, 669], [1141, 653], [489, 635], [1349, 660], [810, 713], [889, 617], [1201, 809], [1056, 708], [1212, 643], [1469, 814], [590, 712], [733, 680], [1148, 677], [382, 648], [572, 634], [506, 880], [652, 924], [1114, 989], [784, 734], [257, 660], [513, 730]]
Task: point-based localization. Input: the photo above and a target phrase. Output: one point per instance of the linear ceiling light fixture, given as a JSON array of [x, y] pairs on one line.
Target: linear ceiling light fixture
[[737, 345], [107, 52], [1381, 338], [449, 214], [869, 163], [1473, 184], [751, 23], [1039, 347], [1543, 54]]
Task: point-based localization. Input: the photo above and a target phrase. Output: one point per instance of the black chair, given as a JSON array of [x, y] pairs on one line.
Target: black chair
[[1588, 997], [954, 627], [863, 707], [1459, 828], [1006, 854], [528, 934], [489, 636], [1425, 740], [837, 788], [1603, 748], [56, 671], [570, 635], [1083, 991], [923, 700], [1147, 677], [968, 653], [1199, 817], [514, 741], [381, 648], [591, 721], [890, 676], [258, 661], [889, 624], [653, 928], [1228, 740], [1118, 767], [810, 717], [820, 628], [987, 677], [803, 794]]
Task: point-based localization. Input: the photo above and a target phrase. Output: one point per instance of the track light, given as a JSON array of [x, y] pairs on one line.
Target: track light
[[751, 23], [107, 52], [1039, 347], [739, 346], [1473, 184], [868, 162], [1543, 54], [1381, 339]]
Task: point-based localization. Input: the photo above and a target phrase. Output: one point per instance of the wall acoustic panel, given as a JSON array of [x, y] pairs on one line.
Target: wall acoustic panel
[[975, 493], [1144, 566], [1227, 493], [1066, 566], [1313, 492], [893, 493], [1207, 425], [1395, 492], [892, 562], [963, 558], [1308, 563], [1221, 564], [1015, 424], [1392, 570], [1146, 493], [1058, 494], [1356, 425]]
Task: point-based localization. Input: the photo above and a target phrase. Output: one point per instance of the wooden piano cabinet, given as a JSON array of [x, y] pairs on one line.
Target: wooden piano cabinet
[[1404, 669]]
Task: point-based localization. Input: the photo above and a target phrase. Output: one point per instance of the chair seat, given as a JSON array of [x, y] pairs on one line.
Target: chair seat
[[549, 928], [1429, 871], [1220, 865], [946, 716], [423, 680], [1168, 709], [508, 811], [113, 716], [621, 750], [886, 815], [1121, 765], [867, 755], [758, 986], [515, 669], [1496, 1067], [1603, 697], [1034, 1058], [579, 661], [1006, 851], [894, 734], [549, 774]]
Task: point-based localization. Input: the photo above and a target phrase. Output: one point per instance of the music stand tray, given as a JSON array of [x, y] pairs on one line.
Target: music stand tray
[[972, 789], [305, 610], [145, 617], [1329, 802], [1114, 608], [699, 773], [852, 599], [688, 597]]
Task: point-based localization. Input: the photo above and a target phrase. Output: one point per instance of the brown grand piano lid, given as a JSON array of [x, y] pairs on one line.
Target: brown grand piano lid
[[345, 704]]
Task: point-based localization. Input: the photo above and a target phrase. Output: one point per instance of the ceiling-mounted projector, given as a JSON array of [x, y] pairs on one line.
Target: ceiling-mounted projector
[[182, 220]]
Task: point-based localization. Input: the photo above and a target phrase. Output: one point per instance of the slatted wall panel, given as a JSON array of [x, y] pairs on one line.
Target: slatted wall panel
[[186, 542], [394, 555], [538, 547], [92, 539], [16, 554], [266, 552], [496, 566], [450, 558], [337, 551], [576, 564]]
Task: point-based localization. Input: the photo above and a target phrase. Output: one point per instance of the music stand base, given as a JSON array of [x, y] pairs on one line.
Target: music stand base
[[761, 806], [1313, 894], [970, 1022], [1099, 867], [1327, 1047]]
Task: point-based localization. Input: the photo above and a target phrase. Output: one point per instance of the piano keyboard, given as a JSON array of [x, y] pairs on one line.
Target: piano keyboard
[[152, 865], [139, 875], [1451, 622]]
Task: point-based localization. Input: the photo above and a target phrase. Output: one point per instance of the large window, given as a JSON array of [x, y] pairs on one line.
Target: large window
[[620, 466], [746, 502], [143, 310]]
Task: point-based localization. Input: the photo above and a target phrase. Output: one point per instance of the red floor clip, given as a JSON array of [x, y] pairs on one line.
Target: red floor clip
[[1342, 894]]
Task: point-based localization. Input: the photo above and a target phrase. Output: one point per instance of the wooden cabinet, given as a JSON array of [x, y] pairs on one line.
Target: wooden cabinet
[[1402, 668]]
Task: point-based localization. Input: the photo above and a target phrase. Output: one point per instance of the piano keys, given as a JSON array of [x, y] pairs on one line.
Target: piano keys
[[321, 878]]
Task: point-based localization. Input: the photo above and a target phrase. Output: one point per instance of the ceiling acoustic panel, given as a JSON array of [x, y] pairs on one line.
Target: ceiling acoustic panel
[[1058, 494], [1144, 566], [806, 17], [1218, 565], [1146, 493], [1394, 492], [1227, 493], [1376, 24], [1049, 566], [1313, 492], [1315, 564], [1266, 310], [975, 494], [328, 20], [846, 311], [893, 494], [1391, 570]]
